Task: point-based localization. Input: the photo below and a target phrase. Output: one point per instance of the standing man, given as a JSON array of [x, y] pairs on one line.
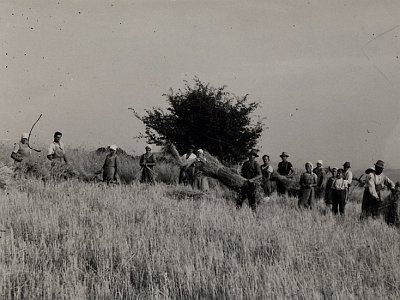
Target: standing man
[[56, 151], [320, 172], [186, 174], [21, 149], [348, 175], [147, 163], [267, 172], [375, 183], [285, 168], [251, 170]]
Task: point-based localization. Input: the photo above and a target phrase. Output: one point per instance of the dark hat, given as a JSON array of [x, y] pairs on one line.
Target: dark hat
[[254, 153], [346, 165], [380, 164], [284, 154]]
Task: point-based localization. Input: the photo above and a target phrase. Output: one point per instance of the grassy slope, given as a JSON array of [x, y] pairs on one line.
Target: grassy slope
[[75, 240]]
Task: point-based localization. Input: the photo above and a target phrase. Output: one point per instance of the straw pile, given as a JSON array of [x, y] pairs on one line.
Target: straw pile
[[225, 175], [183, 193], [391, 207], [5, 175], [290, 183], [212, 167], [175, 154]]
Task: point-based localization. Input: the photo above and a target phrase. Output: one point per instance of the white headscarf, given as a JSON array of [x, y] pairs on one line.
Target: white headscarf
[[113, 147], [312, 167]]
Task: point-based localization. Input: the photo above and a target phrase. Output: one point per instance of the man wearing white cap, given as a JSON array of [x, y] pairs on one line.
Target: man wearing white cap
[[110, 167], [21, 149], [321, 175]]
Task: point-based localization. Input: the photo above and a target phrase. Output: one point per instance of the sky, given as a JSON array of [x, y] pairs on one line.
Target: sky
[[326, 73]]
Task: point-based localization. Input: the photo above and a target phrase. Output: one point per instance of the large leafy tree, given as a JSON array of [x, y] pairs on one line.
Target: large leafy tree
[[208, 118]]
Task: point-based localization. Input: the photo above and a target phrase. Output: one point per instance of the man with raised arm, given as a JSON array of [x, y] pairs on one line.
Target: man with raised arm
[[21, 149]]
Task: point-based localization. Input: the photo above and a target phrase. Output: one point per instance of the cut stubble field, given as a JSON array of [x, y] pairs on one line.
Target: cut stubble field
[[76, 240]]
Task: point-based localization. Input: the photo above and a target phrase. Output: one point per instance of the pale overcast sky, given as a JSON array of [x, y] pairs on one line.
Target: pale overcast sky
[[327, 73]]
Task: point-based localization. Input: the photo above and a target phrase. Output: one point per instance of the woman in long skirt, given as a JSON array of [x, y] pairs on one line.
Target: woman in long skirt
[[110, 167], [147, 162], [200, 180], [308, 181]]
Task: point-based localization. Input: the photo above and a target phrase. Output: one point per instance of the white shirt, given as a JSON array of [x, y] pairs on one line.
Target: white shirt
[[373, 180], [187, 161], [341, 184], [270, 169], [348, 175], [57, 149]]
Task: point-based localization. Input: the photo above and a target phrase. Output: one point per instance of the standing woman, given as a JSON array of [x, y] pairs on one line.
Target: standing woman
[[329, 189], [147, 162], [266, 170], [308, 181], [200, 180], [110, 167]]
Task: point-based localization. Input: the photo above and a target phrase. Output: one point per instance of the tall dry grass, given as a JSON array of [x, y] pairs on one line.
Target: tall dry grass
[[85, 164], [78, 240], [74, 240]]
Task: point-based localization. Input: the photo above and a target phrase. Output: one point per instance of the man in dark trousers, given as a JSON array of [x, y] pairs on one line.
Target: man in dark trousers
[[251, 170], [285, 168]]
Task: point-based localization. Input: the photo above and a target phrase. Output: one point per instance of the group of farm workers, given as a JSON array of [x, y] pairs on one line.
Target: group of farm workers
[[314, 182], [56, 150]]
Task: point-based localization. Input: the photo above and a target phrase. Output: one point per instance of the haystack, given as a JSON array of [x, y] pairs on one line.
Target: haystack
[[5, 175], [291, 183], [391, 207], [212, 167]]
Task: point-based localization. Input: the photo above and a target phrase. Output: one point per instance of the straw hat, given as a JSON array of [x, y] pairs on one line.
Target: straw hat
[[253, 153], [346, 165], [380, 164], [284, 154], [113, 147]]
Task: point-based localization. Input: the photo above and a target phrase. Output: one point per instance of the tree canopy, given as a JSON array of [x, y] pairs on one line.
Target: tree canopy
[[207, 117]]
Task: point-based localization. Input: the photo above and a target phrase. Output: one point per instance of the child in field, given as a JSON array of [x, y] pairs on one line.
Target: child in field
[[340, 186], [110, 167], [329, 189]]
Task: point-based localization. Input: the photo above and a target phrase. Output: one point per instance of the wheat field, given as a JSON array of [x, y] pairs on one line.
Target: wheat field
[[71, 239], [75, 240]]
